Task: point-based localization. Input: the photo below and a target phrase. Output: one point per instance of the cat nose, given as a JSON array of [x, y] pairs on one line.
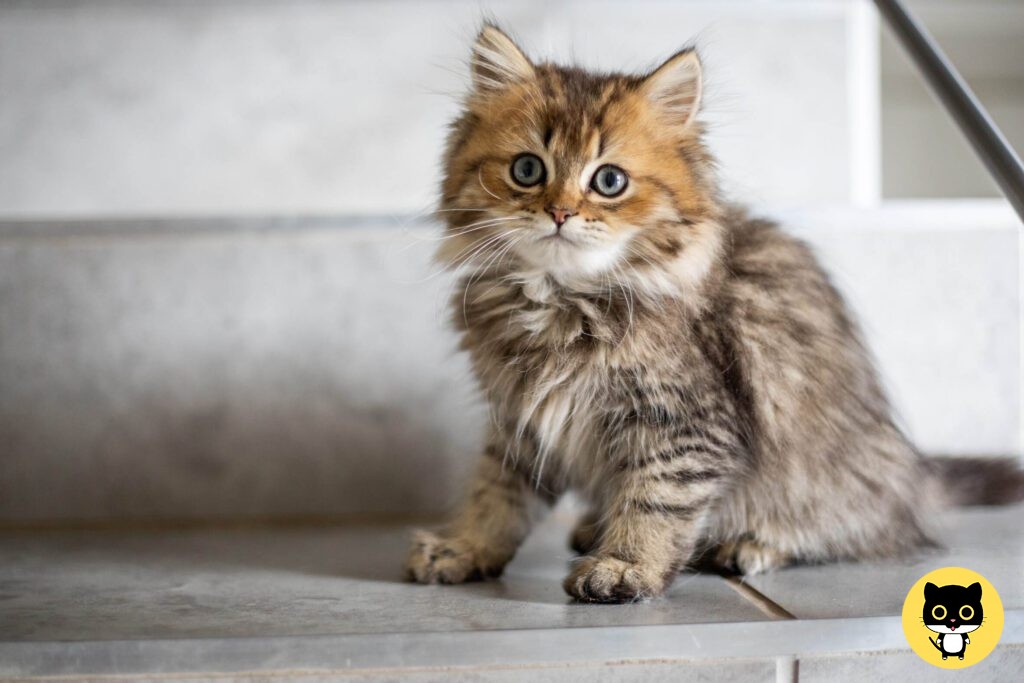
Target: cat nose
[[560, 215]]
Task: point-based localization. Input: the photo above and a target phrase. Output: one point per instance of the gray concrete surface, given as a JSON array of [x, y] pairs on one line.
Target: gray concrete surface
[[1006, 663], [297, 582], [314, 601], [986, 540]]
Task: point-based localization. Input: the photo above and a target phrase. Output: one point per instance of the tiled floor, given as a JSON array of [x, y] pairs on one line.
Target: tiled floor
[[325, 600]]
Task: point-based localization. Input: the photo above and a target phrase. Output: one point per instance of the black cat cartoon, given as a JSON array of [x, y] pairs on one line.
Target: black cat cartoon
[[952, 612]]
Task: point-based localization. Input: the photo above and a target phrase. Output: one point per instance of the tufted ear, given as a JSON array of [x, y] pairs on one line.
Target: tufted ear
[[674, 88], [974, 591], [497, 61]]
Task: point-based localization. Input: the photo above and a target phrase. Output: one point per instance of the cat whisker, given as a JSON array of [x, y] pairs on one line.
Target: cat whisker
[[493, 258], [480, 249], [477, 247], [458, 209], [636, 252], [497, 266], [465, 230], [462, 229], [446, 268], [627, 296], [480, 178]]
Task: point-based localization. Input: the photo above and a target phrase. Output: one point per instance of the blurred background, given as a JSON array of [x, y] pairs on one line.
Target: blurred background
[[216, 294]]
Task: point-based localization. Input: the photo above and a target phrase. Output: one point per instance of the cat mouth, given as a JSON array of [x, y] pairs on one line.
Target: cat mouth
[[557, 236]]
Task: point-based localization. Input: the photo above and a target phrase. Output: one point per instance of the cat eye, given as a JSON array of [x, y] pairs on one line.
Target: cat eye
[[528, 170], [610, 181], [936, 612], [969, 610]]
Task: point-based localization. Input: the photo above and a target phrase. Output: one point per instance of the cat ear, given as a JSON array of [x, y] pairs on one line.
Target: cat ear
[[929, 590], [497, 61], [974, 591], [675, 87]]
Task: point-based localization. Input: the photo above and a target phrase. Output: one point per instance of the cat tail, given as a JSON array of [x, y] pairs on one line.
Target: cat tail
[[980, 480], [935, 644]]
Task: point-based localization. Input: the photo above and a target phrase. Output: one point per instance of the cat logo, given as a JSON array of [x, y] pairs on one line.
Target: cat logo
[[953, 617]]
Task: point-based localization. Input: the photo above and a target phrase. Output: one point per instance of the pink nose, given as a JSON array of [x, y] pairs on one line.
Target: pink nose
[[560, 215]]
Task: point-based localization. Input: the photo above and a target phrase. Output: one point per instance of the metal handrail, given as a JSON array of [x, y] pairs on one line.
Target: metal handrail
[[956, 96]]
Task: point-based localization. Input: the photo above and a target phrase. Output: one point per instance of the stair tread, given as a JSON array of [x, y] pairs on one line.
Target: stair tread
[[313, 580], [331, 598], [108, 585]]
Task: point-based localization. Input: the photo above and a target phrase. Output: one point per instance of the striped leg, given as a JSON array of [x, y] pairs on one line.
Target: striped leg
[[485, 533], [654, 520]]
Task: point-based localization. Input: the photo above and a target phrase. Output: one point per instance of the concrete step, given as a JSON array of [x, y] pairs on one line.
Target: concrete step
[[319, 602], [302, 367]]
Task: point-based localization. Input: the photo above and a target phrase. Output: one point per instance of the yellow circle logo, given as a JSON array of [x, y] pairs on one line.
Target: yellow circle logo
[[953, 617]]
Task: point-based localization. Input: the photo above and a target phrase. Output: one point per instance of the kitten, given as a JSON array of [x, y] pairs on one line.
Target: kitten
[[952, 612], [689, 370]]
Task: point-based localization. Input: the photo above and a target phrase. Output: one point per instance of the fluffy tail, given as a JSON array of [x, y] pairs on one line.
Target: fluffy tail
[[980, 481]]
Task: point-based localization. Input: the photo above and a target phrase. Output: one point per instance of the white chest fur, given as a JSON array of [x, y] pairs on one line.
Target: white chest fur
[[547, 359]]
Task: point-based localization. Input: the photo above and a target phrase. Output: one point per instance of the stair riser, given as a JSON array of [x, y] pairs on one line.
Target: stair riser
[[308, 370]]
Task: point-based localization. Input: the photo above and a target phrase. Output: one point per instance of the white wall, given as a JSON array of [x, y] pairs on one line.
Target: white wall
[[112, 107], [923, 153]]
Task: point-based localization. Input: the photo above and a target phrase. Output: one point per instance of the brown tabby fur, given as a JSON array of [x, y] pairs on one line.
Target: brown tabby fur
[[689, 370]]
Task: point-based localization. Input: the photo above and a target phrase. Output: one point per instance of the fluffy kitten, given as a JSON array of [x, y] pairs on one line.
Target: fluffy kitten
[[689, 370]]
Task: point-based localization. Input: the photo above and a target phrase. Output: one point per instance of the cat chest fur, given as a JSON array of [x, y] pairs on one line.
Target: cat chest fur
[[543, 361], [558, 369]]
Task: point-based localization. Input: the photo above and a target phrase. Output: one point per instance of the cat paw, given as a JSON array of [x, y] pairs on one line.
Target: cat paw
[[585, 535], [436, 559], [610, 580], [750, 557]]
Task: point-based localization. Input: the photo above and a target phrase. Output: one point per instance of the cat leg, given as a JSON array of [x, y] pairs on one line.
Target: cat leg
[[485, 533], [585, 534], [749, 557], [654, 517]]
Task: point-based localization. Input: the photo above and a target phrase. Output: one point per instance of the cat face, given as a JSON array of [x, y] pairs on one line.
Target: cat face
[[577, 174], [953, 609]]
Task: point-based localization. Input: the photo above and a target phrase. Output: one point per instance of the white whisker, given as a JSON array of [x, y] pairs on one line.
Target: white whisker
[[480, 179]]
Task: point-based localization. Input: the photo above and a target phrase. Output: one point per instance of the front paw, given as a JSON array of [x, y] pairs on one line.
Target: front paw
[[607, 579], [436, 559]]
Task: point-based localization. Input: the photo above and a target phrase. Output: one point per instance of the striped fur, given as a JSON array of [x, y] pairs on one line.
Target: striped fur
[[689, 370]]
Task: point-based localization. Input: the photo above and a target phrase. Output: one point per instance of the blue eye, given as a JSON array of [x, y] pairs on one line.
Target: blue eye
[[528, 170], [610, 181]]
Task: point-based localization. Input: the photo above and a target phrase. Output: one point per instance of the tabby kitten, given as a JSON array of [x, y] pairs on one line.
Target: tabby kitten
[[689, 370]]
